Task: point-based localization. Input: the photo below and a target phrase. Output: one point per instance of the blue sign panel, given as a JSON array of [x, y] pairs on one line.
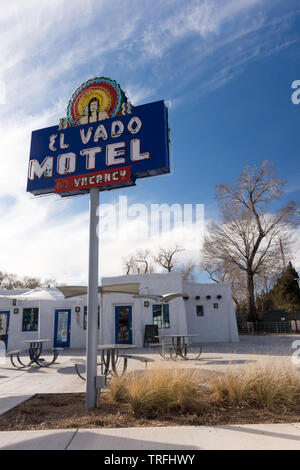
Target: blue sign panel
[[109, 154]]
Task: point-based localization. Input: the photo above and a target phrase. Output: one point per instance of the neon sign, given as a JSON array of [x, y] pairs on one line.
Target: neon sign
[[103, 141]]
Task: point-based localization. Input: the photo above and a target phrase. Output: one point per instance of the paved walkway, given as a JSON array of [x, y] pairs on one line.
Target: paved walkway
[[19, 385], [185, 438]]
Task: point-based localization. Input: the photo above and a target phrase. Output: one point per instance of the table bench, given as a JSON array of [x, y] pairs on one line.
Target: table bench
[[143, 359], [16, 353], [39, 361], [55, 352], [164, 348], [160, 345], [78, 362]]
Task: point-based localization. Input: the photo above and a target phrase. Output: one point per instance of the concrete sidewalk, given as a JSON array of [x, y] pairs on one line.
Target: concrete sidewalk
[[185, 438]]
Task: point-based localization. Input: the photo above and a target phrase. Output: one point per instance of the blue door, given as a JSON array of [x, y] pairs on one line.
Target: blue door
[[4, 324], [123, 324], [62, 328]]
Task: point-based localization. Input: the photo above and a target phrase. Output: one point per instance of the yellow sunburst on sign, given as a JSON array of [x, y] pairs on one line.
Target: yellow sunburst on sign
[[101, 95]]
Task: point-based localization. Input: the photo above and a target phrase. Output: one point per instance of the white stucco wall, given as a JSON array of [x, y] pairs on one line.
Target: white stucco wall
[[217, 325], [46, 328], [149, 284]]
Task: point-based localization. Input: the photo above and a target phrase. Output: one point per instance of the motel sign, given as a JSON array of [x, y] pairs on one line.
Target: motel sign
[[109, 154]]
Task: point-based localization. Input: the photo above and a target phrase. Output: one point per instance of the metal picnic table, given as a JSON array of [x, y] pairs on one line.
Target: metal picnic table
[[179, 346], [34, 352], [110, 357]]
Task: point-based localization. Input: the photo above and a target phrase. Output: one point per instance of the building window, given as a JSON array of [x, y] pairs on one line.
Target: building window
[[216, 305], [85, 318], [199, 310], [30, 319], [157, 315]]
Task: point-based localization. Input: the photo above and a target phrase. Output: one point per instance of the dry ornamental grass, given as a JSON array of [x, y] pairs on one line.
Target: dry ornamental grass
[[161, 391], [259, 387], [184, 391], [171, 397]]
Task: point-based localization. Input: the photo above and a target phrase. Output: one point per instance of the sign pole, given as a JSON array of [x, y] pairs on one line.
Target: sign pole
[[135, 145], [92, 307]]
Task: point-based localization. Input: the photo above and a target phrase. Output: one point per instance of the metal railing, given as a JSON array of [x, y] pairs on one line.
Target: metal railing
[[284, 327]]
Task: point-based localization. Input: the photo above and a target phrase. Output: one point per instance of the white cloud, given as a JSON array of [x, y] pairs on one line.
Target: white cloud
[[204, 18], [137, 94], [15, 135], [42, 237], [46, 50]]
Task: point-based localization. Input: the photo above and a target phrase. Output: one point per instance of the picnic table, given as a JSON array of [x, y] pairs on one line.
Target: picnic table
[[34, 352], [111, 356], [180, 347]]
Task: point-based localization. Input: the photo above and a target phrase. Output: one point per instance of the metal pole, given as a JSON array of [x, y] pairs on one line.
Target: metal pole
[[101, 319], [162, 326], [101, 327], [92, 304]]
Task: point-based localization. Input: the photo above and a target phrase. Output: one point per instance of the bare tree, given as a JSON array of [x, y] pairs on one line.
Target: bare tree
[[130, 265], [138, 263], [227, 274], [166, 257], [11, 281], [142, 262], [249, 237], [31, 282], [2, 278], [144, 257], [187, 270], [50, 283]]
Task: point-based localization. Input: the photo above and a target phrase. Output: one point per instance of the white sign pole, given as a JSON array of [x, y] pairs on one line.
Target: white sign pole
[[92, 306]]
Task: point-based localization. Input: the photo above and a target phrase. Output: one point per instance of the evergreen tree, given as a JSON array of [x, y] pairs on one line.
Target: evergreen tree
[[286, 293]]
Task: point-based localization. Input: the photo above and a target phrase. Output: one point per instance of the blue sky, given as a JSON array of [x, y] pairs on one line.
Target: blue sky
[[226, 65]]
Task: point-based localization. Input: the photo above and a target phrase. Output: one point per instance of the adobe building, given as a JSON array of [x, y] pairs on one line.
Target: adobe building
[[204, 309]]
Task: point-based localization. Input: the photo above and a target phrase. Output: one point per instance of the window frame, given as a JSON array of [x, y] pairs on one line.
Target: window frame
[[33, 323], [202, 311], [166, 316]]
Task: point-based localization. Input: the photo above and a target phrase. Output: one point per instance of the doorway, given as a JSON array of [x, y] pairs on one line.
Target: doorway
[[123, 324], [62, 329], [4, 325]]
